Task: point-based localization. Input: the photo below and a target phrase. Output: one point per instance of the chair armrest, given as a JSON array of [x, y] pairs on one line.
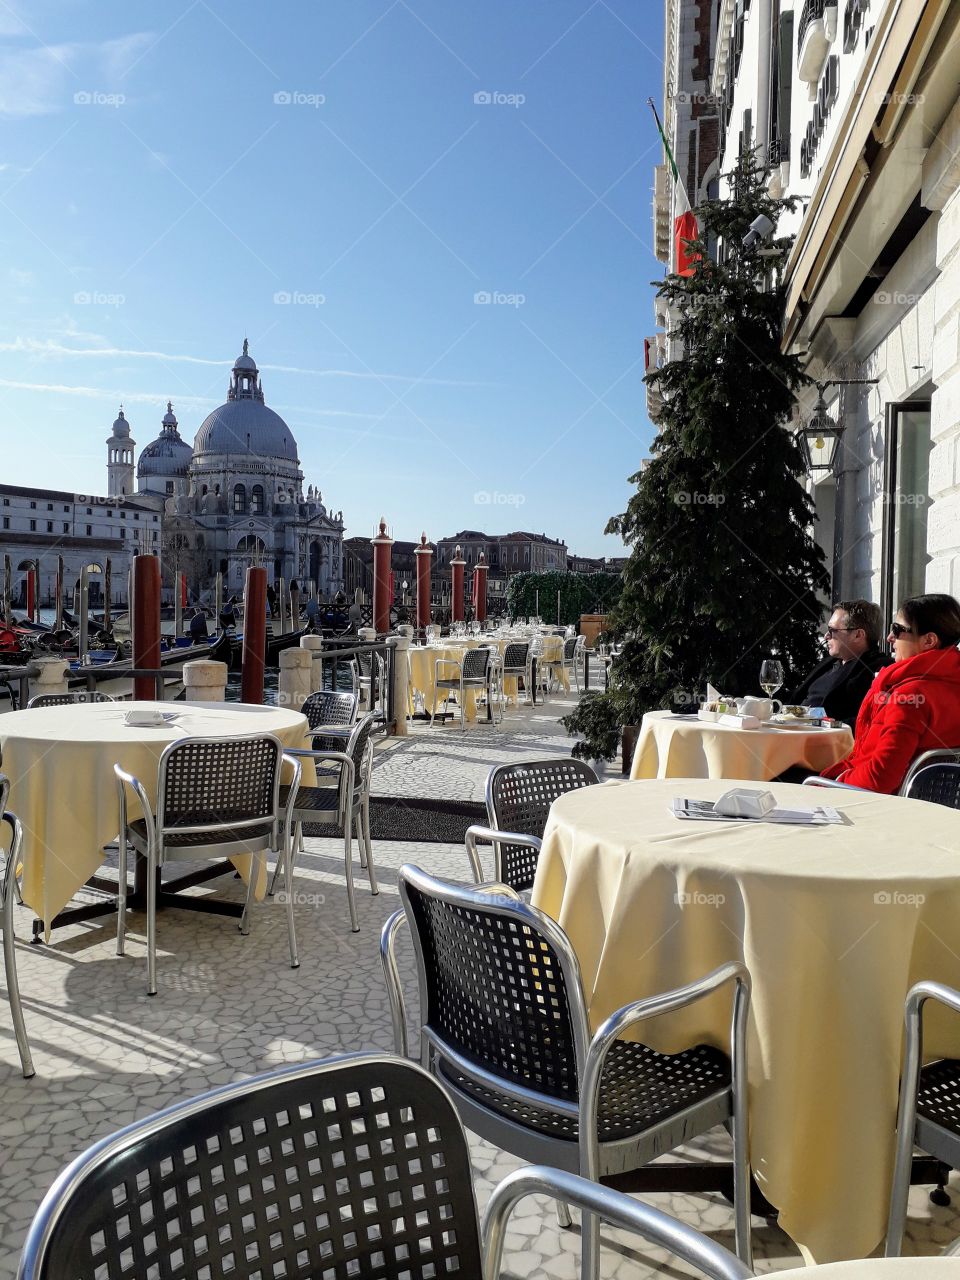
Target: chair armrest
[[611, 1206], [391, 974], [487, 835], [640, 1011], [288, 759], [347, 767], [125, 780], [446, 662], [816, 781]]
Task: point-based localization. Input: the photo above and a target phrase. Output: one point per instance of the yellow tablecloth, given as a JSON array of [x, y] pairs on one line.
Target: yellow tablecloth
[[423, 661], [935, 1268], [63, 789], [672, 746], [834, 923]]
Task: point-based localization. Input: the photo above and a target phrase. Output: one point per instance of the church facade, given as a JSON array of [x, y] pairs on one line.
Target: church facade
[[235, 498]]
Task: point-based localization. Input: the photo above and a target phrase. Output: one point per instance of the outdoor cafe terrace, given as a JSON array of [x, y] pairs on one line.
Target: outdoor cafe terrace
[[829, 925]]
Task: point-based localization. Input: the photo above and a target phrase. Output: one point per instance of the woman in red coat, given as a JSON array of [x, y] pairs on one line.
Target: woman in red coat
[[914, 704]]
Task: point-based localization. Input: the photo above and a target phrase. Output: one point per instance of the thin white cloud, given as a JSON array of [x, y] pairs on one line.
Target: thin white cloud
[[41, 79], [33, 346]]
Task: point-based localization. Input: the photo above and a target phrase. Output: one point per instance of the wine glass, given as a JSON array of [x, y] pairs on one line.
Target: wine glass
[[771, 676]]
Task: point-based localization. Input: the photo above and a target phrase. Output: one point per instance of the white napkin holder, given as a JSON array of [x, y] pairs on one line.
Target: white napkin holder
[[740, 722], [742, 802], [144, 717]]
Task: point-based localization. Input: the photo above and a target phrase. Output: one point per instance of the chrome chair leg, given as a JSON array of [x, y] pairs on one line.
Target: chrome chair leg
[[257, 862], [122, 888], [564, 1219], [151, 925], [285, 855], [10, 962], [371, 869], [348, 868]]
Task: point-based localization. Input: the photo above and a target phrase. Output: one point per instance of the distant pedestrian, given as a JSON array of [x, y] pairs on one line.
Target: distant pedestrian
[[313, 613]]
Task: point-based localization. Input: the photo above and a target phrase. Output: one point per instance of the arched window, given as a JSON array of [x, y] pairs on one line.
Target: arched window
[[239, 500], [256, 500]]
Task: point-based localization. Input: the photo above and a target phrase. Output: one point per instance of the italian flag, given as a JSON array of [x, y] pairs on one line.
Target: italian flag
[[685, 226]]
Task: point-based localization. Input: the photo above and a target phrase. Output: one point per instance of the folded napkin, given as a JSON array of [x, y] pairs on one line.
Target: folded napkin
[[740, 722], [742, 802]]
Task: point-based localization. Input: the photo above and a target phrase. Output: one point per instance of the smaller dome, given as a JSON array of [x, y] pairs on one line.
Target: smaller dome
[[169, 418], [167, 457], [121, 427]]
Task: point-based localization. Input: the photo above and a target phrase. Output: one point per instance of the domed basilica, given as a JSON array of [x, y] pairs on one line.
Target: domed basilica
[[236, 498]]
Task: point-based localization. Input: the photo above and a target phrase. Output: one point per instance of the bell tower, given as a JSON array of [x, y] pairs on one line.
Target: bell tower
[[120, 446]]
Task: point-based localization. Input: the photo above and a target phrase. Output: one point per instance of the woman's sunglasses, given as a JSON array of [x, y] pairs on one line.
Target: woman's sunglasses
[[898, 629]]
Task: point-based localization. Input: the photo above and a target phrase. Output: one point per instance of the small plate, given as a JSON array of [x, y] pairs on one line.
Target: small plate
[[148, 719]]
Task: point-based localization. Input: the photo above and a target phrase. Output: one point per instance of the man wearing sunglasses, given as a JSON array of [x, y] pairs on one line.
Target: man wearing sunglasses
[[840, 682]]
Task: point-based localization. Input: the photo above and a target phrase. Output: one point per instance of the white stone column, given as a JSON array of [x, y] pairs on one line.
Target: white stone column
[[52, 677], [941, 190], [204, 680], [295, 676], [401, 682], [314, 644]]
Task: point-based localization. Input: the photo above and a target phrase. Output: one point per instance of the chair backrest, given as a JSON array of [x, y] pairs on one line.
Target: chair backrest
[[519, 797], [225, 782], [569, 648], [67, 699], [497, 978], [938, 783], [330, 707], [354, 1166], [515, 657], [942, 755], [475, 664]]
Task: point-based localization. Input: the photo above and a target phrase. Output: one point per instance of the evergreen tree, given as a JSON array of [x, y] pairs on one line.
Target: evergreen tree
[[723, 570]]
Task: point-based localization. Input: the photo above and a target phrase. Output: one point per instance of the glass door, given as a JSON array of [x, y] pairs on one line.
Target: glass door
[[906, 503]]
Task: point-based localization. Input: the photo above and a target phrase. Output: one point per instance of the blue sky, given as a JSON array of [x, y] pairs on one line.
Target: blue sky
[[324, 179]]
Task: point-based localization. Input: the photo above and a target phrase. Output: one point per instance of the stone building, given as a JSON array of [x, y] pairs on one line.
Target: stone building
[[854, 106], [234, 498]]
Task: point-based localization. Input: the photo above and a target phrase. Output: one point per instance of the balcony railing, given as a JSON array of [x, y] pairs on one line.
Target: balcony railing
[[811, 11]]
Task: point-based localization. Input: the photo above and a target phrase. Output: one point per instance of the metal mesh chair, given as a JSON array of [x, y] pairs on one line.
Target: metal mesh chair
[[8, 887], [935, 786], [369, 681], [517, 665], [346, 806], [518, 798], [472, 672], [68, 699], [216, 798], [328, 708], [504, 1026], [929, 1112], [353, 1167], [574, 654]]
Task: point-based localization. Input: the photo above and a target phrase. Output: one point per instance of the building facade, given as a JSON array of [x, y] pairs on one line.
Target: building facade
[[39, 525], [236, 496], [855, 108]]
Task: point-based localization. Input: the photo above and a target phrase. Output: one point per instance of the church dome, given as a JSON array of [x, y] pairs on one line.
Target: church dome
[[244, 425], [169, 455]]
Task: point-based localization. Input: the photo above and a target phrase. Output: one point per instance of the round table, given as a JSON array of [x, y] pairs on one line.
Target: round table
[[835, 924], [932, 1268], [672, 746], [63, 789]]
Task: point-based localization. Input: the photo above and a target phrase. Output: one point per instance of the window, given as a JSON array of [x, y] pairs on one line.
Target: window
[[89, 511], [50, 526], [256, 500], [33, 506], [123, 533], [49, 506], [66, 527], [123, 515], [169, 488], [136, 515], [89, 530], [154, 535], [33, 523], [110, 515], [154, 519], [6, 502], [907, 493], [6, 522], [239, 500], [67, 509]]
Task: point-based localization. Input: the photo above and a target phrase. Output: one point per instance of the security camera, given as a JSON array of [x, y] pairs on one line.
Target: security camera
[[761, 229]]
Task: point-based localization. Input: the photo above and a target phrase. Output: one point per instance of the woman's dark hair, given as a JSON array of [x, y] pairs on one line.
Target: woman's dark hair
[[936, 613]]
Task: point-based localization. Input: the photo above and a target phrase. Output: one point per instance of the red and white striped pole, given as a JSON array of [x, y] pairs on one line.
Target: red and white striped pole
[[382, 555], [424, 555], [457, 566]]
